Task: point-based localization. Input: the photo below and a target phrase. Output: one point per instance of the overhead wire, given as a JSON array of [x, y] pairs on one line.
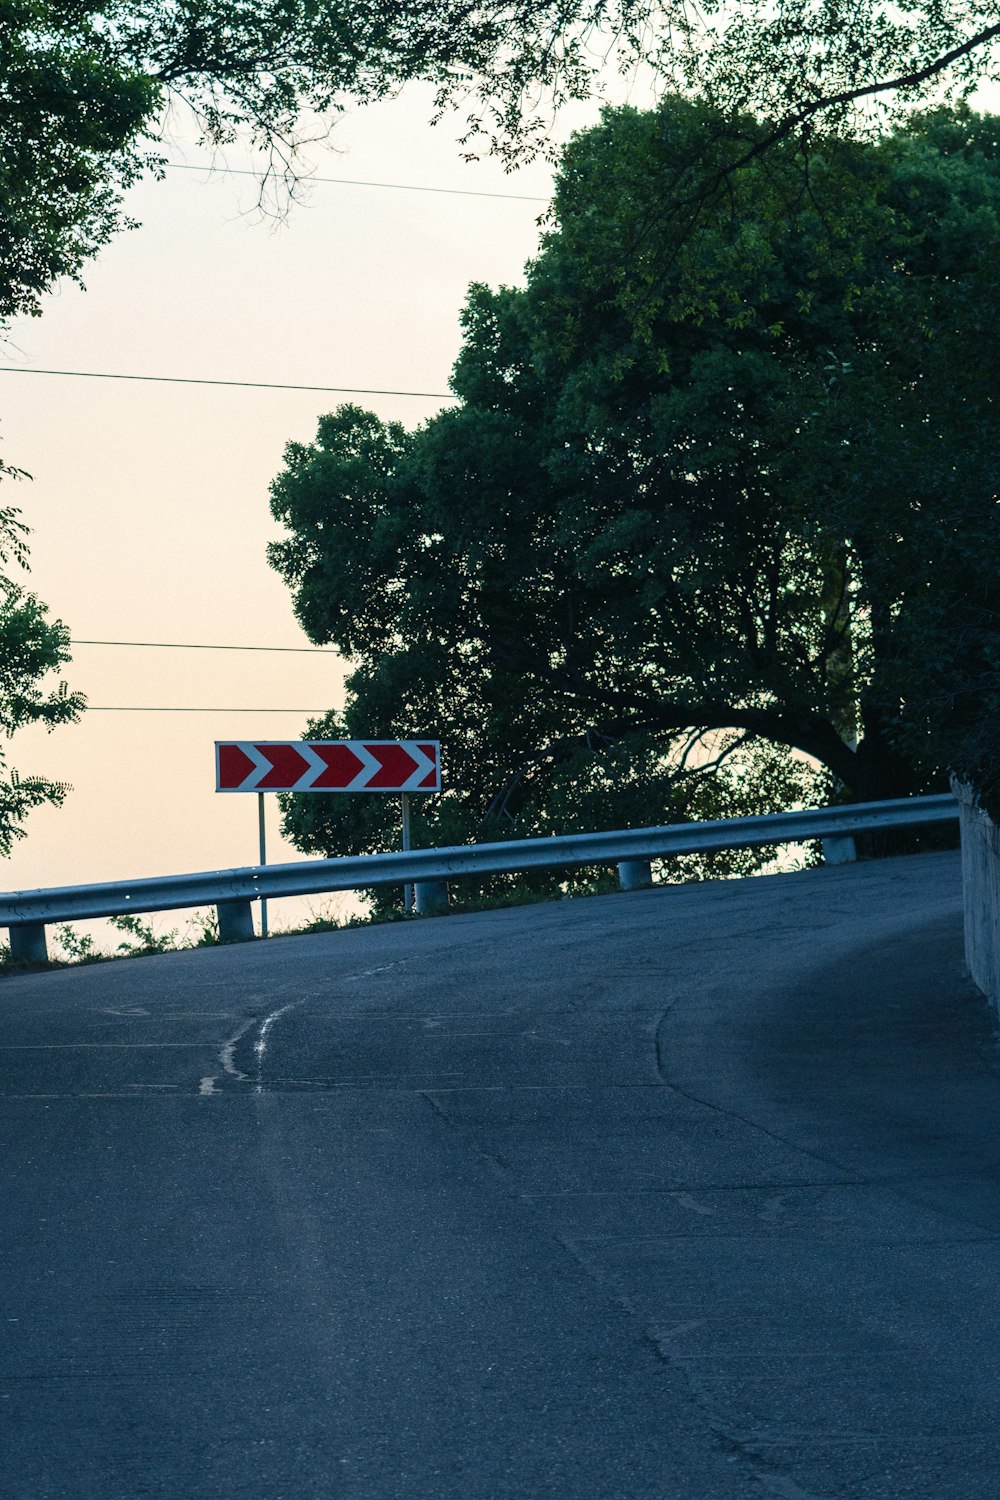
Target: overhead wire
[[253, 385], [270, 385], [132, 708], [137, 708], [406, 187], [264, 385], [202, 646]]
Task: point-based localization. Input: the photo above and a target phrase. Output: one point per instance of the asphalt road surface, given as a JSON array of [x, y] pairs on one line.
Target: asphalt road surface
[[688, 1194]]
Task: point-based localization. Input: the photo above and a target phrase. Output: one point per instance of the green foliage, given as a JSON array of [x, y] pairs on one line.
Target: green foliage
[[314, 925], [825, 323], [77, 947], [86, 91], [141, 938], [205, 926], [729, 472], [72, 107], [32, 647], [561, 787]]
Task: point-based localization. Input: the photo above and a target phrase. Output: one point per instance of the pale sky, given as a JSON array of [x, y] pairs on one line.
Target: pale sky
[[149, 502]]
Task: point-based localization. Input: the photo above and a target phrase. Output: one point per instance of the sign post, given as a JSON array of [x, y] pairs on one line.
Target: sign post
[[263, 860], [407, 888], [400, 766]]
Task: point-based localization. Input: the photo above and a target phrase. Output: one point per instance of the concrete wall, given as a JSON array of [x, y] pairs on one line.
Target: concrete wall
[[981, 892]]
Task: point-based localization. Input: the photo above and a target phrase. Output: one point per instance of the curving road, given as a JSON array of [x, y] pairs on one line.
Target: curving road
[[690, 1194]]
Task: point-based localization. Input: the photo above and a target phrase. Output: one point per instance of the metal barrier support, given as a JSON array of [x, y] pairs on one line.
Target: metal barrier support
[[635, 874], [235, 922], [27, 944], [839, 851], [431, 898]]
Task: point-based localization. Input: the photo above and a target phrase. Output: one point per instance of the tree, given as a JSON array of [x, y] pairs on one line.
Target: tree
[[86, 90], [31, 648], [69, 115], [510, 65], [85, 96], [734, 475]]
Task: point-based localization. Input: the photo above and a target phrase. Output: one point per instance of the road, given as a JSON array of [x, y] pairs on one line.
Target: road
[[687, 1194]]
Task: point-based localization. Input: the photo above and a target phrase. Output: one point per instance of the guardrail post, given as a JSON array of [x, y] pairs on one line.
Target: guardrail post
[[27, 944], [235, 921], [634, 874], [840, 849], [431, 897]]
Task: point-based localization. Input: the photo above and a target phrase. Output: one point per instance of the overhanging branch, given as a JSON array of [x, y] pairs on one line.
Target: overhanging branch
[[809, 111]]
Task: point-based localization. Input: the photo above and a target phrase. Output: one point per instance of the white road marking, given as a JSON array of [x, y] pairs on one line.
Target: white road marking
[[227, 1054], [260, 1046]]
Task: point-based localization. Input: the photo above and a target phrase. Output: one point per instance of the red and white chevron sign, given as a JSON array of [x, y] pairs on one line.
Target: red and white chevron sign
[[327, 766]]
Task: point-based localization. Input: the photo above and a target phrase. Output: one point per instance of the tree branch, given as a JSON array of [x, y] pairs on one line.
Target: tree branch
[[849, 96]]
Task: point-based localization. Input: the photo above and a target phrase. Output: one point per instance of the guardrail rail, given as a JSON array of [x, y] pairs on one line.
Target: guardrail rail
[[26, 913]]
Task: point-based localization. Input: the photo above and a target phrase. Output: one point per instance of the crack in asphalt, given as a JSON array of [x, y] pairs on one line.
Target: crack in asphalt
[[733, 1114]]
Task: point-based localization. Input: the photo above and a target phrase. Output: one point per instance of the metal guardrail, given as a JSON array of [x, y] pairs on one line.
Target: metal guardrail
[[25, 913]]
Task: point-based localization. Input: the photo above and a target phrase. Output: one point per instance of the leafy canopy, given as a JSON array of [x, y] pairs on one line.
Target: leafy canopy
[[727, 475], [32, 647], [86, 89]]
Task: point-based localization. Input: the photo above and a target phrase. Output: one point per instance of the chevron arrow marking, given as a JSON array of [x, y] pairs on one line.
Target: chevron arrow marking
[[328, 766]]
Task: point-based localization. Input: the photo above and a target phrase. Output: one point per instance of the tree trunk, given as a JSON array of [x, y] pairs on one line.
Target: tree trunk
[[882, 773]]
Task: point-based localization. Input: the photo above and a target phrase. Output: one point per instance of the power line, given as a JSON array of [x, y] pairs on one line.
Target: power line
[[406, 187], [200, 646], [263, 385], [131, 708]]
